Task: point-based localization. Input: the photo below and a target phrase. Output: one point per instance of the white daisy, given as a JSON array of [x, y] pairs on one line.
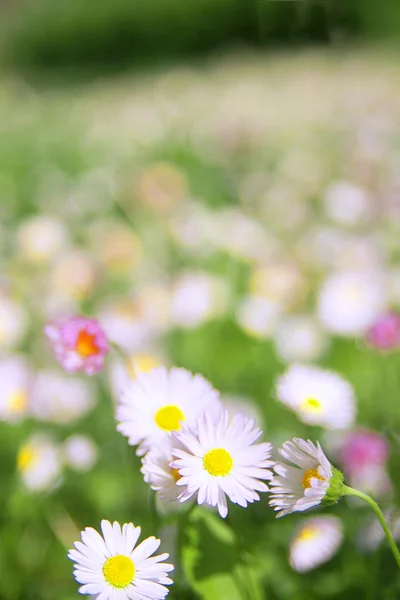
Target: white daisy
[[158, 472], [41, 238], [349, 302], [39, 463], [16, 383], [347, 203], [220, 459], [315, 542], [197, 298], [80, 452], [318, 396], [311, 481], [258, 316], [60, 398], [158, 402], [299, 338], [113, 568]]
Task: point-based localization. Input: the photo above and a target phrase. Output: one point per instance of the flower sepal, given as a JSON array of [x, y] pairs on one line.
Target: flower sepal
[[336, 488]]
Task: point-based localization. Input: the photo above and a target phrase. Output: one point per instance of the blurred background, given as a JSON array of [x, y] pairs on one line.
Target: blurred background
[[218, 183]]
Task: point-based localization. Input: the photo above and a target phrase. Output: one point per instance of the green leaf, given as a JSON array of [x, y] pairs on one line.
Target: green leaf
[[213, 563]]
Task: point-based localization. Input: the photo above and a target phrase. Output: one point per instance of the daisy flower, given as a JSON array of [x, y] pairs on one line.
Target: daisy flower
[[350, 301], [59, 398], [79, 343], [219, 459], [311, 481], [315, 542], [158, 402], [39, 463], [318, 396], [16, 384], [158, 473], [111, 568]]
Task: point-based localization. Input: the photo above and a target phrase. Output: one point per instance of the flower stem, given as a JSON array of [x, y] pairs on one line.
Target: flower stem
[[348, 491]]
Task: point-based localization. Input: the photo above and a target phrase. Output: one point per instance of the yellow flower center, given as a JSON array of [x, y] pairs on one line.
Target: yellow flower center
[[18, 401], [311, 405], [26, 457], [175, 474], [308, 475], [169, 417], [119, 571], [85, 344], [218, 462], [307, 533]]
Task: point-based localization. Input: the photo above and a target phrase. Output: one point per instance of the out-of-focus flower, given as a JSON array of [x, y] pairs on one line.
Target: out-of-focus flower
[[318, 396], [247, 239], [258, 316], [79, 343], [73, 276], [299, 338], [162, 187], [119, 249], [281, 282], [362, 448], [347, 204], [349, 302], [41, 238], [219, 459], [363, 456], [59, 398], [110, 566], [121, 372], [315, 542], [312, 481], [80, 452], [371, 534], [39, 463], [13, 322], [158, 473], [158, 402], [197, 298], [16, 382], [123, 322], [384, 333], [373, 480]]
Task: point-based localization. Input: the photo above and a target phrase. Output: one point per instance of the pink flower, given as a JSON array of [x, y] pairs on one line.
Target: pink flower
[[363, 456], [363, 449], [79, 344], [385, 332]]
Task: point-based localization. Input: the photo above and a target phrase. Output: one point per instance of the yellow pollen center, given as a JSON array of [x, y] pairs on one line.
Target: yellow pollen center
[[18, 401], [26, 457], [311, 405], [307, 533], [218, 462], [169, 417], [308, 475], [85, 345], [175, 474], [119, 571]]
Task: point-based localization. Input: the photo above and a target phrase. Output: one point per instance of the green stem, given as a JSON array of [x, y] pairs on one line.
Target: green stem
[[348, 491]]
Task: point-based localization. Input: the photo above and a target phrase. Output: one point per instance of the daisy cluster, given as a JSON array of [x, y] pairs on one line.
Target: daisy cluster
[[192, 447]]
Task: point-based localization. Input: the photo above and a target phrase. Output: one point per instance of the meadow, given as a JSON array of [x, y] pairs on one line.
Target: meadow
[[232, 216]]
